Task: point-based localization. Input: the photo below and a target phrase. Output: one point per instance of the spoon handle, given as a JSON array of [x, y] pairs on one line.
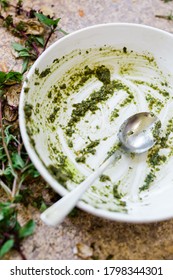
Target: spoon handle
[[56, 213]]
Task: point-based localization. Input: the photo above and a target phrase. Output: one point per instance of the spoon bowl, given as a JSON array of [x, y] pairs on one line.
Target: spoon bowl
[[137, 134]]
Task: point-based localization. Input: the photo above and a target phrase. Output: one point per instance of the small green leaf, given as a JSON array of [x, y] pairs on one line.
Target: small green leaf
[[17, 161], [17, 198], [17, 227], [3, 156], [31, 171], [2, 77], [18, 47], [1, 216], [24, 53], [27, 229], [25, 65], [46, 20], [6, 247], [9, 136], [40, 40], [8, 21], [63, 31], [43, 206], [9, 213], [7, 171], [4, 4], [14, 76], [10, 78]]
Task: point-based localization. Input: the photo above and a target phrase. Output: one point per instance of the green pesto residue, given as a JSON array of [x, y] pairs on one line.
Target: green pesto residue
[[162, 92], [128, 100], [116, 192], [26, 89], [70, 143], [118, 195], [45, 72], [156, 131], [52, 117], [81, 158], [79, 78], [154, 158], [114, 114], [89, 149], [63, 170], [62, 86], [58, 174], [37, 108], [28, 108], [37, 72], [124, 50], [104, 178], [103, 74], [154, 103], [148, 181], [91, 104], [61, 98], [126, 68], [115, 147]]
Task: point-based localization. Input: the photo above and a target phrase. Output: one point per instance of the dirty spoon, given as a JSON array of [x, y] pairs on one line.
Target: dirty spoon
[[137, 135]]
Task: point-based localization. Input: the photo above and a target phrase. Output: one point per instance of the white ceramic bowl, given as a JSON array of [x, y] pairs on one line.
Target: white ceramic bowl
[[63, 138]]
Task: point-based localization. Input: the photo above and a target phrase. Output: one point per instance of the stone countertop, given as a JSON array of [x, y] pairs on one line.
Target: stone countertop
[[103, 239]]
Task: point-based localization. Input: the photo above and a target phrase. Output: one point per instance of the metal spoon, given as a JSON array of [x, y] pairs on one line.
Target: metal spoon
[[137, 134]]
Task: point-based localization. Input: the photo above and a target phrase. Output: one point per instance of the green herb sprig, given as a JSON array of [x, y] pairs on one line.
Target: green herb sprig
[[4, 4], [166, 1], [167, 17], [10, 78], [33, 43], [11, 232], [16, 169]]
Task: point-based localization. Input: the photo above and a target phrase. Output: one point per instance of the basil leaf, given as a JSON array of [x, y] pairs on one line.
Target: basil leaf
[[18, 162], [27, 229], [10, 78], [18, 47], [40, 40], [47, 21], [25, 64], [24, 53], [6, 247]]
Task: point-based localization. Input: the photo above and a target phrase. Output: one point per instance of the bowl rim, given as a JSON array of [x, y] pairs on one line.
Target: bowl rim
[[114, 216]]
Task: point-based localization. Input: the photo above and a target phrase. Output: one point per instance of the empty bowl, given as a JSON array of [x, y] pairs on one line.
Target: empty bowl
[[74, 99]]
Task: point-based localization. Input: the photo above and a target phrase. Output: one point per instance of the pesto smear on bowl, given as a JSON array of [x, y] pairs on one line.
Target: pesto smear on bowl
[[74, 109]]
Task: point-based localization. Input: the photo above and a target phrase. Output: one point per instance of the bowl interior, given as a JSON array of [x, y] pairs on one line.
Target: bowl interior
[[76, 96]]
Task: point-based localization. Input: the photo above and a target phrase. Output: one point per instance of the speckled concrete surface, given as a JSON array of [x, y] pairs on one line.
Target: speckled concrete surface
[[107, 239]]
